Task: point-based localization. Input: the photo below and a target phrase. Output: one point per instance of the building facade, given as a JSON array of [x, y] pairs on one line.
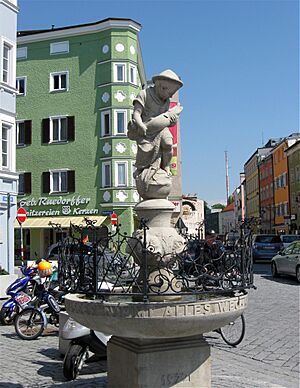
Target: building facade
[[227, 220], [239, 202], [281, 186], [293, 157], [76, 86], [193, 215], [8, 175], [265, 169]]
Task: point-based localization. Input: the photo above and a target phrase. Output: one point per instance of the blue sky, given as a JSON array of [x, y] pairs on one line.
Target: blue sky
[[239, 61]]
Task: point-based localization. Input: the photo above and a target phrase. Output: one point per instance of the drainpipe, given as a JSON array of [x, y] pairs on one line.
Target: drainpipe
[[8, 234]]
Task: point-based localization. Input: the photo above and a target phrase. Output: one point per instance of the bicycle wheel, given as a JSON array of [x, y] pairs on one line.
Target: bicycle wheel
[[234, 332], [29, 324]]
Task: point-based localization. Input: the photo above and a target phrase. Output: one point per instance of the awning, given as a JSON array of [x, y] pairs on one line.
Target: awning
[[43, 222]]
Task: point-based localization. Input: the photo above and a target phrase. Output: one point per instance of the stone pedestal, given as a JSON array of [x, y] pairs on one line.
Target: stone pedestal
[[140, 363]]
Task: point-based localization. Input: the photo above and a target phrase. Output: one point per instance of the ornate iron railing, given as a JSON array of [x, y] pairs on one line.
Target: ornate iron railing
[[120, 265]]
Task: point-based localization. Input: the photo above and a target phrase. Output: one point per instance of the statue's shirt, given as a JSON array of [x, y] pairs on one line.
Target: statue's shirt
[[152, 105]]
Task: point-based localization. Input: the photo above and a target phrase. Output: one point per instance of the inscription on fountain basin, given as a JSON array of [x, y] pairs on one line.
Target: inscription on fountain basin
[[179, 310]]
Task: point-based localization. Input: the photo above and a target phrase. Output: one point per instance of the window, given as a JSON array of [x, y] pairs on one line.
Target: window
[[120, 122], [132, 74], [21, 52], [58, 181], [119, 72], [58, 129], [23, 133], [21, 86], [5, 146], [106, 174], [59, 81], [121, 174], [59, 47], [24, 183], [6, 63], [105, 123]]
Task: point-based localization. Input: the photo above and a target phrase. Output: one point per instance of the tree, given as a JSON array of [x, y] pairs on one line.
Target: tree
[[218, 206]]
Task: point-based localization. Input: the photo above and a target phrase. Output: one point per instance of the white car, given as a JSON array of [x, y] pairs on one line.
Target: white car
[[287, 261], [289, 238]]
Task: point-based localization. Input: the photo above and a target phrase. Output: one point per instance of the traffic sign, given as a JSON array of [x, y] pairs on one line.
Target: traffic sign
[[114, 219], [21, 215]]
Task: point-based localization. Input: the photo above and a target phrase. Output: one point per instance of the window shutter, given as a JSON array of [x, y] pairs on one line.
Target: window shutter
[[71, 181], [27, 183], [45, 130], [46, 182], [28, 131], [71, 128]]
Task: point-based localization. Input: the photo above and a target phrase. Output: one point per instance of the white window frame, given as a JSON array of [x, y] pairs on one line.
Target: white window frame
[[124, 78], [134, 79], [8, 127], [59, 47], [59, 172], [18, 132], [104, 183], [59, 74], [60, 140], [11, 72], [117, 180], [103, 113], [21, 53], [133, 169], [18, 79], [116, 132]]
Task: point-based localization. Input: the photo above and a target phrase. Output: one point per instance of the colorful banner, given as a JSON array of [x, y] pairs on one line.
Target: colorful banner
[[174, 160]]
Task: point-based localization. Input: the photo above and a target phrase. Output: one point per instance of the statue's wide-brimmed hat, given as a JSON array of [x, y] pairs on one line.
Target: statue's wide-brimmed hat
[[168, 75]]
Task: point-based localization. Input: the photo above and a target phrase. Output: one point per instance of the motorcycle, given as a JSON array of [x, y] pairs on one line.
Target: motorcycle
[[83, 342], [33, 319], [21, 292]]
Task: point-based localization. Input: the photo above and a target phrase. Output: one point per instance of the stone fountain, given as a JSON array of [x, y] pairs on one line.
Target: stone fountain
[[158, 342]]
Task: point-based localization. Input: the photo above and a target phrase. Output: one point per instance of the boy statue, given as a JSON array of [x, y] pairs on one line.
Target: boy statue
[[149, 128]]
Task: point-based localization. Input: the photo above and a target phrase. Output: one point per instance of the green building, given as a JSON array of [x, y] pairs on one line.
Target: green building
[[75, 87]]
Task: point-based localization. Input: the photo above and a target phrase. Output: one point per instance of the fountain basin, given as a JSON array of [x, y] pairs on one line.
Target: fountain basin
[[155, 319]]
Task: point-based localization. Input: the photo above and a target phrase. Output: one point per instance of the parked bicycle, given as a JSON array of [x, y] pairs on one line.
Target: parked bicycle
[[233, 333]]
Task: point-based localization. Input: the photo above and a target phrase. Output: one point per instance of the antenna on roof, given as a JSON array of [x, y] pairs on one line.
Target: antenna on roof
[[227, 178], [262, 138]]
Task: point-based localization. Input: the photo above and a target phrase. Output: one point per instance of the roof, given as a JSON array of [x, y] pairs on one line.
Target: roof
[[32, 32], [228, 208]]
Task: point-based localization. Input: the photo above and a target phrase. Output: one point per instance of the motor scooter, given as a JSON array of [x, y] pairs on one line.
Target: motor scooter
[[84, 344], [21, 292]]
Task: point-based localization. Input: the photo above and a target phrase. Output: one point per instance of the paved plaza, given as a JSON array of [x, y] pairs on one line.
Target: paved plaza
[[268, 356]]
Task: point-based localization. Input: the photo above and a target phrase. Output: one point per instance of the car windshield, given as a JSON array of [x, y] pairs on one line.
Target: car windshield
[[267, 239], [289, 239]]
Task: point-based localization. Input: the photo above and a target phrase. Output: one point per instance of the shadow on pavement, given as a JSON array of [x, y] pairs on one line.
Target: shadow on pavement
[[262, 268], [10, 385], [12, 336], [283, 279], [54, 368]]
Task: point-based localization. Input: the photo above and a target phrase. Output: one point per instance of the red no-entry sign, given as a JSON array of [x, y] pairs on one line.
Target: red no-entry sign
[[114, 219], [21, 215]]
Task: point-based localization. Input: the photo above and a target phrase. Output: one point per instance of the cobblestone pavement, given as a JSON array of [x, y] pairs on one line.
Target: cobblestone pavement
[[268, 356]]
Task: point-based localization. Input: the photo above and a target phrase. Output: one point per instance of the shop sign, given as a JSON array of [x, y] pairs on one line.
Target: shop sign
[[63, 206], [59, 200]]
